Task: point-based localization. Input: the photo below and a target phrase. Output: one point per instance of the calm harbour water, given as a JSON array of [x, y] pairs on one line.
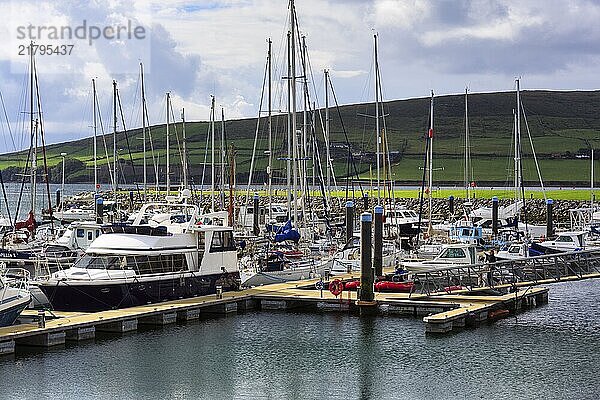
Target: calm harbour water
[[548, 352]]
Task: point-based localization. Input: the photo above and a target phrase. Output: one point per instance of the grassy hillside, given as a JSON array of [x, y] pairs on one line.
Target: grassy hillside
[[563, 126]]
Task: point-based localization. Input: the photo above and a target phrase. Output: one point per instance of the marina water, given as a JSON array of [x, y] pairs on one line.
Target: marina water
[[548, 352]]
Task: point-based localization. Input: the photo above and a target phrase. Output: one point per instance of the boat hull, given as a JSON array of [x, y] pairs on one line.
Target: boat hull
[[292, 274], [9, 314], [102, 295]]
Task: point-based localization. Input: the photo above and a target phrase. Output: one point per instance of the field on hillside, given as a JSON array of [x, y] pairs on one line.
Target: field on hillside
[[563, 126]]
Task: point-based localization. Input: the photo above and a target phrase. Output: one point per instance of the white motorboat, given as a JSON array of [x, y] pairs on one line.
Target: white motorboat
[[169, 257], [450, 255]]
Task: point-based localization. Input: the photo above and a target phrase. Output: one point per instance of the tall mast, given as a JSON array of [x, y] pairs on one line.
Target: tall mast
[[115, 175], [34, 167], [144, 128], [289, 128], [185, 166], [518, 143], [212, 152], [270, 166], [467, 166], [304, 152], [592, 179], [294, 127], [33, 130], [167, 155], [376, 66], [222, 166], [430, 160], [95, 136], [327, 154]]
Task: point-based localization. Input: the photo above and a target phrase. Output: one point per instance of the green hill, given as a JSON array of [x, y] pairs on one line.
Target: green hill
[[563, 126]]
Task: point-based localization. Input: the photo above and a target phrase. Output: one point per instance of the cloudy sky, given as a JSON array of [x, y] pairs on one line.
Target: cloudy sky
[[197, 48]]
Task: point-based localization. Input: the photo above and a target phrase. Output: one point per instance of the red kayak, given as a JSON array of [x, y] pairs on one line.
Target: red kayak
[[394, 287], [351, 285], [449, 289]]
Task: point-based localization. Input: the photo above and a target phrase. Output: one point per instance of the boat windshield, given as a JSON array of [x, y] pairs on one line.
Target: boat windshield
[[95, 262], [141, 264]]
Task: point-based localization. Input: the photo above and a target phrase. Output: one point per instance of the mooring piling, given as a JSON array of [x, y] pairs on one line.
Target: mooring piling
[[349, 220], [495, 215], [255, 227], [549, 212], [367, 296], [378, 241]]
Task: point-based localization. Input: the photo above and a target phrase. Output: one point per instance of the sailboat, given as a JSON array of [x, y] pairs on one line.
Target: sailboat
[[281, 259], [513, 216]]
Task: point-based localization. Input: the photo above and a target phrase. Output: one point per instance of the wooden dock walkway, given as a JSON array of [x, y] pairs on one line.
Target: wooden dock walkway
[[442, 312]]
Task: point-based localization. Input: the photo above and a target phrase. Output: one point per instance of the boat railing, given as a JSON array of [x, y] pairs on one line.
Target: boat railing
[[544, 268], [18, 278], [45, 267]]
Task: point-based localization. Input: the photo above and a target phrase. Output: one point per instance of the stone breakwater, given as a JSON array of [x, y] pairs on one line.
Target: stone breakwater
[[535, 208]]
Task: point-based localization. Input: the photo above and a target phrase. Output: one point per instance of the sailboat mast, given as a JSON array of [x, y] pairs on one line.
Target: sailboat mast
[[33, 129], [289, 128], [222, 167], [518, 143], [430, 160], [293, 101], [270, 167], [376, 66], [327, 150], [467, 166], [144, 129], [95, 111], [34, 167], [304, 155], [212, 152], [185, 166], [168, 166], [592, 179], [115, 175]]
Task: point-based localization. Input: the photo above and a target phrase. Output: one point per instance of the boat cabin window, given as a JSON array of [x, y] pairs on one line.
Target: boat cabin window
[[90, 235], [104, 262], [514, 250], [566, 239], [453, 253], [466, 232], [142, 264], [163, 263], [97, 232], [222, 241], [80, 233]]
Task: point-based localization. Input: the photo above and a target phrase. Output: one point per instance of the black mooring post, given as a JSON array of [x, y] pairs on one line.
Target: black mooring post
[[131, 200], [549, 225], [99, 210], [495, 215], [255, 227], [378, 239], [366, 265], [366, 201], [349, 220], [451, 205], [58, 198]]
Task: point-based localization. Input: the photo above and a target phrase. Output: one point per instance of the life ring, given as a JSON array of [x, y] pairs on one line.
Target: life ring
[[336, 287]]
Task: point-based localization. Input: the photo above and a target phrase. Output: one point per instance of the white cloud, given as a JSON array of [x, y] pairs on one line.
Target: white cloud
[[199, 48]]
